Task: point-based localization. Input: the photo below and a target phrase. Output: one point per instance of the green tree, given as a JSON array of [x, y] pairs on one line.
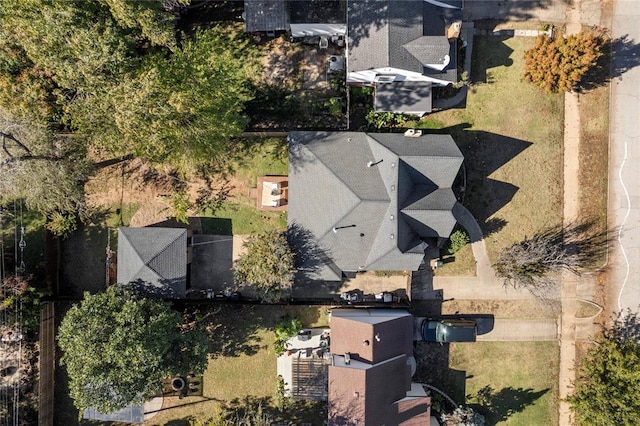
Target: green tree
[[457, 240], [150, 17], [117, 346], [54, 51], [267, 265], [45, 170], [607, 390], [180, 109], [559, 64]]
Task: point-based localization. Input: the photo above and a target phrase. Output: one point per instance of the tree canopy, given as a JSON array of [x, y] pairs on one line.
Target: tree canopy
[[607, 391], [180, 109], [559, 64], [267, 265], [117, 346], [43, 168], [118, 77]]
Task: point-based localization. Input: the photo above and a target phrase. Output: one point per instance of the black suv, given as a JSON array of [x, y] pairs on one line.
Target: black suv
[[449, 330]]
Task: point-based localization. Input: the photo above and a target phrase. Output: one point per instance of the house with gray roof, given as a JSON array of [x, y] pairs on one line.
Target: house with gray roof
[[303, 18], [154, 259], [401, 47], [368, 201]]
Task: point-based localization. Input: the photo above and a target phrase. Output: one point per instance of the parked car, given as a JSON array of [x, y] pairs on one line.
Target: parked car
[[449, 330]]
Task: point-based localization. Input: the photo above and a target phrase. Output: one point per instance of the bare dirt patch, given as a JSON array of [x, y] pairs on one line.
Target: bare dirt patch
[[281, 63], [148, 190], [128, 182]]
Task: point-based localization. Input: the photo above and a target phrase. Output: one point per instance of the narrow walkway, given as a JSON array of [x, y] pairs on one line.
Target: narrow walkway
[[484, 269], [570, 214]]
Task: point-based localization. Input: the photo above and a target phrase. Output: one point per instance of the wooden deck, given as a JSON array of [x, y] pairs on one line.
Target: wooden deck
[[281, 199]]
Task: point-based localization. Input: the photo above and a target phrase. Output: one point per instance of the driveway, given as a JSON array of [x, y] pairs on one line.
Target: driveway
[[521, 330], [624, 161]]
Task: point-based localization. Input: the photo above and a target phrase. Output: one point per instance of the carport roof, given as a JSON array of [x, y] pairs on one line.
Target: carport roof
[[403, 96]]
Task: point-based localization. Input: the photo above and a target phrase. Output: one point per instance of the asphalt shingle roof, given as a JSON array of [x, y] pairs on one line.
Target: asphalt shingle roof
[[266, 15], [360, 184], [403, 96], [155, 258], [402, 34]]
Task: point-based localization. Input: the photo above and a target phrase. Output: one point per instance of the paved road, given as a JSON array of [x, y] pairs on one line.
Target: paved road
[[624, 166]]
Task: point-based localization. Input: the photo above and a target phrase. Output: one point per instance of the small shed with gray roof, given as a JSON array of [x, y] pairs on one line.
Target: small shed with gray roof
[[369, 201], [154, 259]]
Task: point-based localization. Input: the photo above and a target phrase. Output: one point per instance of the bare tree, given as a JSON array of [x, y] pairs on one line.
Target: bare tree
[[533, 263]]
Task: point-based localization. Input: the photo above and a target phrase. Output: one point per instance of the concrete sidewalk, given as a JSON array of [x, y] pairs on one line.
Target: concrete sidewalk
[[522, 330]]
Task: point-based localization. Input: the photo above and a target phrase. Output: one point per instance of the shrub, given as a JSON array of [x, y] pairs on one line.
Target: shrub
[[559, 64], [62, 224], [180, 204], [286, 329], [458, 239], [379, 120], [361, 94]]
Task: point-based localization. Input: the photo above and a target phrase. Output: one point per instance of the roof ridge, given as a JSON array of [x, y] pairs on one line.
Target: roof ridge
[[161, 252]]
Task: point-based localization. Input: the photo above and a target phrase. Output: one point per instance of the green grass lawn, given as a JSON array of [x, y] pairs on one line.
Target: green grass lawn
[[520, 380], [245, 218], [261, 157], [243, 364], [258, 158], [511, 135]]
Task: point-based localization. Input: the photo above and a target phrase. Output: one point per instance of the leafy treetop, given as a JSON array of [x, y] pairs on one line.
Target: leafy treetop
[[117, 346], [267, 265], [559, 64], [607, 391]]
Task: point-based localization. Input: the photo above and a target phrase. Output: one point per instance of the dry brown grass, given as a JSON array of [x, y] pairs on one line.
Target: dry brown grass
[[460, 264], [523, 378], [503, 308], [594, 157], [512, 139]]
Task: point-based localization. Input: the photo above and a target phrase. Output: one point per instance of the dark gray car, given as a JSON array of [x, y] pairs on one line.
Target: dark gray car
[[449, 330]]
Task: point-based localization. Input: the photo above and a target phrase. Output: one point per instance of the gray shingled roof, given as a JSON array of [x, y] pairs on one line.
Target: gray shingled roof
[[404, 34], [403, 96], [266, 15], [332, 186], [429, 49], [155, 259]]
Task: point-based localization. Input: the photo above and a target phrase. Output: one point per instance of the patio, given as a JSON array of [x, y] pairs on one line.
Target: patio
[[271, 193]]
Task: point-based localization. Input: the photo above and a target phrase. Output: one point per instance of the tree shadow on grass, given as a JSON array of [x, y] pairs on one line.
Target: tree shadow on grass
[[498, 406], [499, 55], [233, 330], [493, 225], [268, 410]]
